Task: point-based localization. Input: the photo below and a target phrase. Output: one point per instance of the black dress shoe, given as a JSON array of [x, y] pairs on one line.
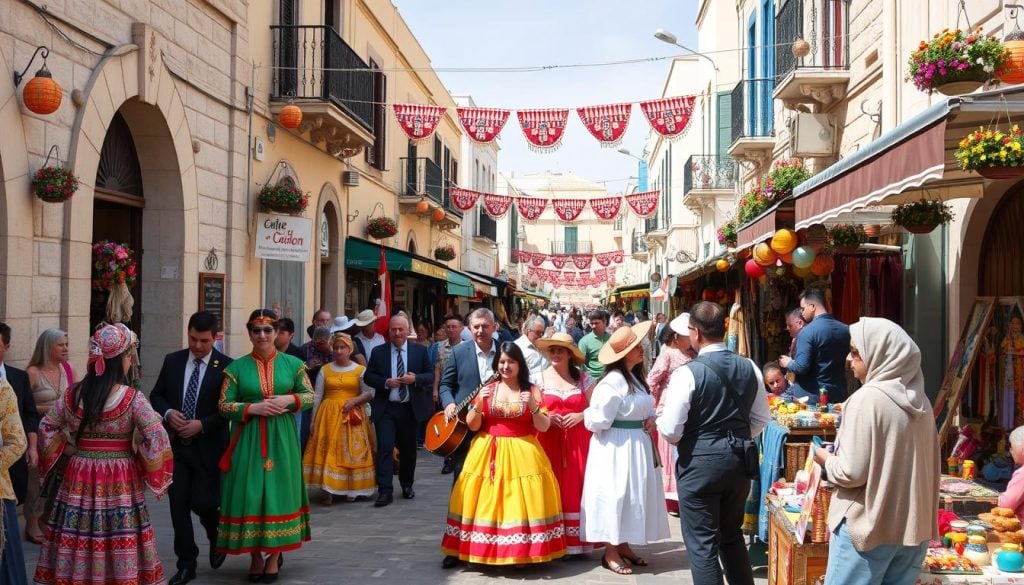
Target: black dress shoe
[[216, 558], [448, 467], [383, 499], [182, 576], [408, 493], [450, 562]]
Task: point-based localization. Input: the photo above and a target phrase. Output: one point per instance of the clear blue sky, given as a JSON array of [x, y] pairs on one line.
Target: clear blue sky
[[487, 33]]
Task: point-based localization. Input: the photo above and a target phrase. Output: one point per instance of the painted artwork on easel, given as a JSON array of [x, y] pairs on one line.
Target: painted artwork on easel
[[947, 403]]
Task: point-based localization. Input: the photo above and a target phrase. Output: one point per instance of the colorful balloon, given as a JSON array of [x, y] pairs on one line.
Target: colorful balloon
[[822, 265], [784, 241], [753, 269], [804, 256], [764, 255]]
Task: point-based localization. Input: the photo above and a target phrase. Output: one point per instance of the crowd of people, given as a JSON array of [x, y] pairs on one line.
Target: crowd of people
[[578, 439]]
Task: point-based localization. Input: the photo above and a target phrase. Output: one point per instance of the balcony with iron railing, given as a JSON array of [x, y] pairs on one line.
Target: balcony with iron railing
[[571, 247], [658, 223], [753, 113], [486, 227], [423, 180], [812, 57], [706, 175], [328, 81]]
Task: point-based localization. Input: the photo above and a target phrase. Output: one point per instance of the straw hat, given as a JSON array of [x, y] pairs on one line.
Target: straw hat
[[366, 317], [623, 341], [560, 340], [681, 324]]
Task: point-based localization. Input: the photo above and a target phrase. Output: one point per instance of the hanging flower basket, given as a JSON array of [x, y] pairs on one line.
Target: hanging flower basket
[[952, 61], [786, 175], [992, 153], [282, 198], [381, 227], [921, 217], [54, 184], [445, 253], [727, 234], [846, 239]]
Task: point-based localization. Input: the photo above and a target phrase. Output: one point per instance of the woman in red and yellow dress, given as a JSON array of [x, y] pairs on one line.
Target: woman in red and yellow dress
[[505, 508], [99, 529], [264, 507]]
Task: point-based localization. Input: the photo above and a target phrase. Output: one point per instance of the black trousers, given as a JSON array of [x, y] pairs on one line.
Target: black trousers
[[396, 427], [196, 488], [712, 493]]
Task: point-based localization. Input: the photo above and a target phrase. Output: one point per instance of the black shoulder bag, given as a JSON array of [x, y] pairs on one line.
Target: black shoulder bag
[[751, 458]]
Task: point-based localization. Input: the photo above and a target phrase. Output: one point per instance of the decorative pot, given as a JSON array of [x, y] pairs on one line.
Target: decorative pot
[[955, 88], [921, 229], [999, 173], [1013, 72], [1010, 559]]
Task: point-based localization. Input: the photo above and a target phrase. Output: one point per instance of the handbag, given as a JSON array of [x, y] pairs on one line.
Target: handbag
[[751, 457]]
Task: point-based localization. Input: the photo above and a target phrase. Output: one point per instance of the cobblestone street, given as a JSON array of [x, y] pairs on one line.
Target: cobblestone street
[[399, 545]]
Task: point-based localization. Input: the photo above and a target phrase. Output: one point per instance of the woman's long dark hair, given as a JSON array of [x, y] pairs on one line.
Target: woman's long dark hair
[[513, 351], [92, 391], [637, 375]]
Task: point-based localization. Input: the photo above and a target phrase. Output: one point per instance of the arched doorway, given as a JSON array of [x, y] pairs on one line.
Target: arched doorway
[[1000, 270], [330, 260]]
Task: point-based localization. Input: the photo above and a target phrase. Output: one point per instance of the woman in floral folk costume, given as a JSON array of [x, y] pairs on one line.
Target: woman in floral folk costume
[[99, 530], [264, 507]]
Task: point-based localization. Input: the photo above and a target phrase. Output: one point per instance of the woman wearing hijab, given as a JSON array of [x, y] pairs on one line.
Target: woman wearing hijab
[[878, 477], [623, 502], [675, 352], [99, 529]]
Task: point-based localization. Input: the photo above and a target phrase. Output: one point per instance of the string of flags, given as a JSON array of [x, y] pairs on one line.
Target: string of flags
[[571, 279], [643, 205], [545, 128], [580, 261]]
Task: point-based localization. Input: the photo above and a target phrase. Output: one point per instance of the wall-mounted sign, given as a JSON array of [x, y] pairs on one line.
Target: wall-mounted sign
[[283, 237], [422, 267], [211, 295]]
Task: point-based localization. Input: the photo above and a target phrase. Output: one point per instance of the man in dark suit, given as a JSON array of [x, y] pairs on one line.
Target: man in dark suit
[[469, 364], [18, 380], [186, 395], [400, 374]]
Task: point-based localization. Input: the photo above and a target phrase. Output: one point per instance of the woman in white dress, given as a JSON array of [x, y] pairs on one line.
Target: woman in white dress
[[623, 501]]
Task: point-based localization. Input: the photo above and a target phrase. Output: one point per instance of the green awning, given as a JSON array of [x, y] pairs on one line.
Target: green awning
[[366, 255], [631, 288]]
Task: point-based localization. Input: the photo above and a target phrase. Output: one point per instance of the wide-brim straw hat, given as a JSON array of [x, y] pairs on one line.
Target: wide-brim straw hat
[[560, 340], [366, 317], [623, 341]]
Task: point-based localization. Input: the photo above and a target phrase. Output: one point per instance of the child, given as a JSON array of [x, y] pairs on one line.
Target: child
[[1013, 497], [775, 380]]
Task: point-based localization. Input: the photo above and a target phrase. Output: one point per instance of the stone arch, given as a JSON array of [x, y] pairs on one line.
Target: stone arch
[[411, 246], [330, 270]]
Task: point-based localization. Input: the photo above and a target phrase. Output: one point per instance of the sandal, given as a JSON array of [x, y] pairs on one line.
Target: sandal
[[257, 577], [634, 559], [616, 567]]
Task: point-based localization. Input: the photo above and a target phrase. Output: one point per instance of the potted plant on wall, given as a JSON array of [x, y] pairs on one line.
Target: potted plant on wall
[[954, 63], [727, 234], [921, 217], [283, 198], [381, 227], [993, 154], [786, 175], [445, 253], [54, 184], [846, 238]]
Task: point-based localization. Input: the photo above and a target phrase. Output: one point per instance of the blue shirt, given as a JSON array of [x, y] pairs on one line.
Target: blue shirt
[[820, 359]]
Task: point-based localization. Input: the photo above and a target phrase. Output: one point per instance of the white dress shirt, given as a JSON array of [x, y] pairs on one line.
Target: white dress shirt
[[485, 361], [3, 371], [535, 360], [190, 365], [404, 350], [675, 402]]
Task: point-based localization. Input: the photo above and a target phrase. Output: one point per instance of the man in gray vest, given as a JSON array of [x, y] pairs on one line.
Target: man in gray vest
[[711, 409]]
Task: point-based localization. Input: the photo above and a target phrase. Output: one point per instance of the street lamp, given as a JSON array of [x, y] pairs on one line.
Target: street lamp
[[641, 181], [670, 38]]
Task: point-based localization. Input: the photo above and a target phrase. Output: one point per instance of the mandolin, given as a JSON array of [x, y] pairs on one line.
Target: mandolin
[[444, 436]]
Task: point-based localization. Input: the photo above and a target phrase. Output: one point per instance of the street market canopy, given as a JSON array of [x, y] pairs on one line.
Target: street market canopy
[[911, 161], [366, 255]]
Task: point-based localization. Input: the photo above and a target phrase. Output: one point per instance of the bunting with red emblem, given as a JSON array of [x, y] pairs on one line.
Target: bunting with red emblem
[[496, 206], [643, 204], [604, 258], [606, 208], [559, 260], [482, 125], [568, 209], [606, 123], [538, 259], [464, 199], [582, 261], [669, 117], [531, 208], [418, 121], [544, 128]]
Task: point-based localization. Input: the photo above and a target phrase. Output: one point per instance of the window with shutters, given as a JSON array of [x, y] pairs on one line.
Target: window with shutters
[[375, 154]]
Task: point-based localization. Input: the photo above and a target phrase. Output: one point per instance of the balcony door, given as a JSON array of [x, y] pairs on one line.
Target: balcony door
[[571, 239], [287, 47]]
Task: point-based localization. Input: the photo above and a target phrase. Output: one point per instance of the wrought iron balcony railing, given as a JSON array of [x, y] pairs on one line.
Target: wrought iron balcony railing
[[823, 24], [639, 243], [752, 109], [571, 247], [657, 223], [709, 172], [422, 177]]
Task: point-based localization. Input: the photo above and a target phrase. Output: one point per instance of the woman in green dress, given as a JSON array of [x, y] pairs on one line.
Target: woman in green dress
[[264, 506]]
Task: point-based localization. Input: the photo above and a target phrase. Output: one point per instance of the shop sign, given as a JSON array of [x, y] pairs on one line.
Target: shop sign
[[422, 267], [283, 237]]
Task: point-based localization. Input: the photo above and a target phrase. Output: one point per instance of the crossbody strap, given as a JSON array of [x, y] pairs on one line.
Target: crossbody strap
[[730, 389]]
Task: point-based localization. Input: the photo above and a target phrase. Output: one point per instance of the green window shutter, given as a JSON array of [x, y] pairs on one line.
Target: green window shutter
[[723, 113]]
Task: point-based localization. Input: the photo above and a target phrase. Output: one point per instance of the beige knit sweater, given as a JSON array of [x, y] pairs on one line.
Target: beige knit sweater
[[886, 465]]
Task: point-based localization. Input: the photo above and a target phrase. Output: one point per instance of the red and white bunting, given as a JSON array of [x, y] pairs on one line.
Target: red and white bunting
[[569, 277], [568, 209], [559, 260], [606, 208], [582, 261], [669, 117], [464, 199], [496, 206], [604, 258], [418, 121], [643, 204], [606, 123], [601, 274], [618, 256], [482, 125], [544, 128], [531, 208], [538, 259]]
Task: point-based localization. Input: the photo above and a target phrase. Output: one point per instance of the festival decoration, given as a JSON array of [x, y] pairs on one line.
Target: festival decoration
[[764, 255], [496, 206], [606, 123], [438, 214], [606, 208], [464, 199], [538, 259], [568, 209], [604, 258], [618, 256], [722, 265], [422, 206], [290, 116], [559, 260], [802, 271], [669, 117], [803, 257], [114, 269], [418, 121], [544, 128], [784, 241], [582, 261], [822, 265], [531, 208], [482, 125], [644, 204], [753, 269]]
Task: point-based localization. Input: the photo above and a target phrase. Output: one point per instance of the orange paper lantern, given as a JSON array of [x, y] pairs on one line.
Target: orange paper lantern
[[787, 257], [290, 116], [822, 265], [438, 214], [1012, 72], [722, 265], [42, 95], [422, 206], [784, 241], [764, 255]]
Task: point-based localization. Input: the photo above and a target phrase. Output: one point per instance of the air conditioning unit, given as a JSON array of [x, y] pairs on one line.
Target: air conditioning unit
[[813, 135], [350, 178]]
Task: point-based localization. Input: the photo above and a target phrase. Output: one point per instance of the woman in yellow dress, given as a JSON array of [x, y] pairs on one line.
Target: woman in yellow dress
[[339, 455]]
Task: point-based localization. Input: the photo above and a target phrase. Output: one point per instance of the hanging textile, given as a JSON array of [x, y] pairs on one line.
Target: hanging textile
[[531, 208], [482, 125], [464, 199], [606, 208], [644, 204], [669, 117], [606, 123], [496, 205], [418, 121], [543, 129], [559, 260], [537, 259], [604, 258], [582, 261], [618, 256], [568, 209]]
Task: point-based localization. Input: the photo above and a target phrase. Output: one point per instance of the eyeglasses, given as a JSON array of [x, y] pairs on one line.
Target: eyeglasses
[[535, 332], [263, 330]]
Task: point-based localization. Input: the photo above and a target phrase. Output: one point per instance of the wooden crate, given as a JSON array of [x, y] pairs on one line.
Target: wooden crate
[[789, 562]]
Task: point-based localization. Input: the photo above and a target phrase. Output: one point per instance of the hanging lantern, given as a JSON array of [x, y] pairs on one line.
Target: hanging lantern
[[753, 269], [784, 241], [822, 265], [816, 236], [422, 206], [290, 116], [708, 295], [722, 265], [803, 257], [438, 214], [764, 255], [42, 95], [801, 272]]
